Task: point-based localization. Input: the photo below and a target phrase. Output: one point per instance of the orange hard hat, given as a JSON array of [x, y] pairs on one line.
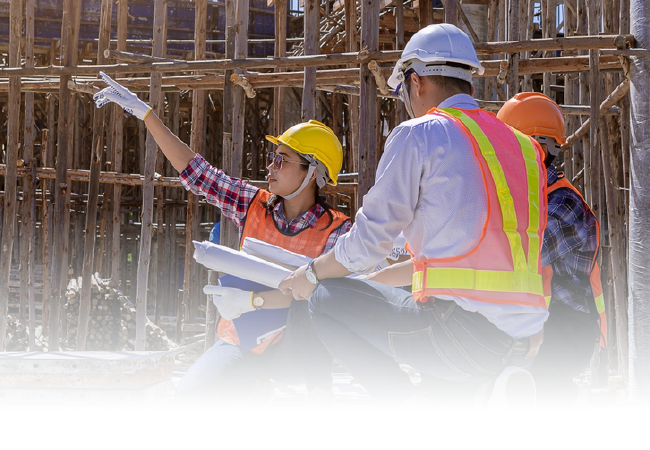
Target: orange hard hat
[[534, 114]]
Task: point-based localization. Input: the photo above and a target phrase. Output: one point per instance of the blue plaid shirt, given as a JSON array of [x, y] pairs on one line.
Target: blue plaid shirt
[[569, 246]]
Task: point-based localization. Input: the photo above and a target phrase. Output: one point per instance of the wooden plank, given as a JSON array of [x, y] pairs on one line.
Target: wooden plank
[[369, 114], [9, 220], [156, 103]]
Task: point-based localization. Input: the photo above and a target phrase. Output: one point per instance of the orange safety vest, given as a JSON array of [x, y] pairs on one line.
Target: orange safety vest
[[259, 224], [594, 278], [504, 266]]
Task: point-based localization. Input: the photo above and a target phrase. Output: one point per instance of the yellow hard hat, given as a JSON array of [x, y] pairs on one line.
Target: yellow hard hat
[[314, 139]]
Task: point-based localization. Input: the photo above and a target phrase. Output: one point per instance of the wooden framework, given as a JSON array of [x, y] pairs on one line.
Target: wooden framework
[[120, 210]]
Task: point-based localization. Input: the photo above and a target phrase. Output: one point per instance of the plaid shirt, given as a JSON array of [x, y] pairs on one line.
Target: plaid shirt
[[569, 246], [234, 196]]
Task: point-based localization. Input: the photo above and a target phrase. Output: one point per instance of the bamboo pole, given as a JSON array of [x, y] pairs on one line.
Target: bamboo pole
[[369, 114], [9, 220], [156, 103], [93, 188]]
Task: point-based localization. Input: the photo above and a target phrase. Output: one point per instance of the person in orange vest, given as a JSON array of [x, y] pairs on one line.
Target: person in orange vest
[[571, 275], [290, 214], [468, 193]]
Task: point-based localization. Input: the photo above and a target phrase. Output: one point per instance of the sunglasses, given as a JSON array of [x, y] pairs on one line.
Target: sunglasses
[[275, 161]]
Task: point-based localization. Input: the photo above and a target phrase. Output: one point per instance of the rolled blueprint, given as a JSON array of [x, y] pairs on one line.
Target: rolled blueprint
[[239, 264], [273, 253]]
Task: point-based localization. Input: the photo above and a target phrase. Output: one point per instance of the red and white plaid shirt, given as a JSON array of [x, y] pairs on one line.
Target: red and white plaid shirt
[[233, 196]]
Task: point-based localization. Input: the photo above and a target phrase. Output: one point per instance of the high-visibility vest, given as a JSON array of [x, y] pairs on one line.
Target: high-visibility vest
[[259, 224], [594, 278], [504, 266]]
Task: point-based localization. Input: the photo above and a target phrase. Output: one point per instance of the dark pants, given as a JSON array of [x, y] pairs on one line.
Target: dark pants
[[226, 374], [570, 338], [370, 328]]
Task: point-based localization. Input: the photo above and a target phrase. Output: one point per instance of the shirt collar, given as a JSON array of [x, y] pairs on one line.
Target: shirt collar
[[310, 216], [551, 175], [460, 101]]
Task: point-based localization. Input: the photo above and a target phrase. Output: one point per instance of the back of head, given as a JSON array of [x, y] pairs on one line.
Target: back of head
[[534, 114], [439, 49], [441, 52]]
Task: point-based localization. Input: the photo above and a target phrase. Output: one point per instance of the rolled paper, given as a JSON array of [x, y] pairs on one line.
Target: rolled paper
[[239, 264]]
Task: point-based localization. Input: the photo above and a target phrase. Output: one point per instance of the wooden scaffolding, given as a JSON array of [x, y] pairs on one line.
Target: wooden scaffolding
[[87, 190]]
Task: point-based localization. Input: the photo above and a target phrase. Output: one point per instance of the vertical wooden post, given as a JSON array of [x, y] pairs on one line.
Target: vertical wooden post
[[312, 32], [400, 110], [426, 10], [369, 116], [211, 314], [118, 151], [238, 95], [279, 51], [569, 96], [61, 188], [13, 124], [46, 222], [351, 36], [639, 240], [156, 103], [229, 231], [197, 145], [93, 187], [29, 192], [513, 58]]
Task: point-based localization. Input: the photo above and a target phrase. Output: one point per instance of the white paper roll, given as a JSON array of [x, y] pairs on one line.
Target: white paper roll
[[274, 253], [239, 264]]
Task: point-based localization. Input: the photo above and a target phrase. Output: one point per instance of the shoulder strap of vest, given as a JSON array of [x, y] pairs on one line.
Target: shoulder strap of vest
[[254, 207]]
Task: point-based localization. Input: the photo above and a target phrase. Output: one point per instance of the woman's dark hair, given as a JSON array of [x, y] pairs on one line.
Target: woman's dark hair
[[318, 199]]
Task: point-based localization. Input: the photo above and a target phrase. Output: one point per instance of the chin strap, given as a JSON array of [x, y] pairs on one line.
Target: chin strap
[[310, 171]]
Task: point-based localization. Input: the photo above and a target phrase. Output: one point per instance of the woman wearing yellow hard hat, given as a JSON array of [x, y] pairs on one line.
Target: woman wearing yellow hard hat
[[290, 214]]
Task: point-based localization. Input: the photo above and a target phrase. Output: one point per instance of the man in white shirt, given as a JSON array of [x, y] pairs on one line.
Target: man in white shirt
[[472, 215]]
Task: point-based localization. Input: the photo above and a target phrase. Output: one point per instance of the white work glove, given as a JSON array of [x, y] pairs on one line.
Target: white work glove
[[231, 302], [122, 96]]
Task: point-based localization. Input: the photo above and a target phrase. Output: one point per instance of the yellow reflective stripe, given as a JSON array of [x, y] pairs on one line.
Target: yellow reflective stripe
[[417, 281], [479, 280], [532, 176], [503, 192], [548, 301], [600, 304]]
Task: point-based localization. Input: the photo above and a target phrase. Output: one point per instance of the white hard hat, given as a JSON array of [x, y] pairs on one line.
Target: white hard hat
[[431, 48]]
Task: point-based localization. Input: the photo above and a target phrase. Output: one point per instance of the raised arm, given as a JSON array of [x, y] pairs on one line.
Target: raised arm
[[178, 153]]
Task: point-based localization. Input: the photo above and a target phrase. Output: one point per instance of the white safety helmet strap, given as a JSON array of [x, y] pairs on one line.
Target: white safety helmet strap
[[305, 182], [552, 146]]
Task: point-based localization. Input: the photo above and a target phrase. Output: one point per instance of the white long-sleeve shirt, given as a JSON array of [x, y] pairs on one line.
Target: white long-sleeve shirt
[[430, 186]]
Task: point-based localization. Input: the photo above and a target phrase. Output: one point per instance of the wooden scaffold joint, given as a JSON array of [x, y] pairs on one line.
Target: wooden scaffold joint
[[503, 72], [379, 76], [241, 80]]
